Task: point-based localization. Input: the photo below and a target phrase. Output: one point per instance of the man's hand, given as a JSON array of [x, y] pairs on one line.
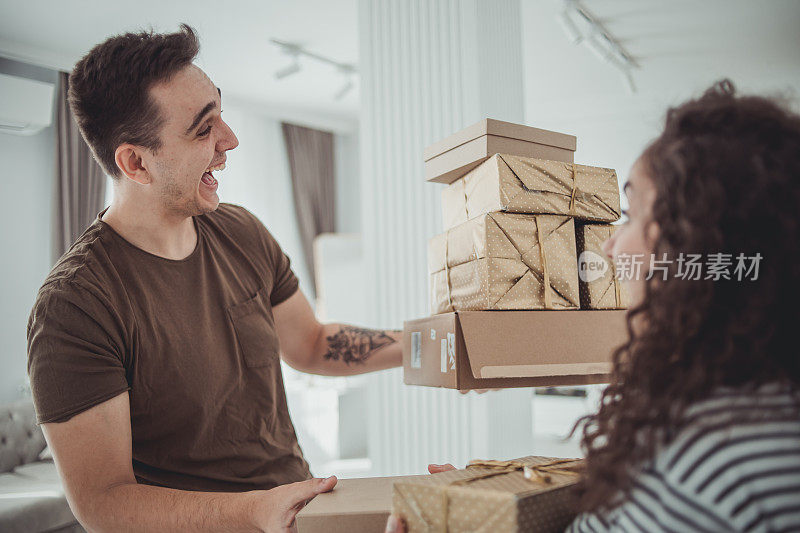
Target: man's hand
[[92, 452], [276, 510]]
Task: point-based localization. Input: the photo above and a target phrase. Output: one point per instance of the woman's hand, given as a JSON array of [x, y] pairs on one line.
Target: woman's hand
[[436, 469], [395, 525]]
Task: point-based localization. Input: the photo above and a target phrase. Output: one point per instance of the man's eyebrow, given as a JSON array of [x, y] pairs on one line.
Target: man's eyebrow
[[203, 112], [627, 187]]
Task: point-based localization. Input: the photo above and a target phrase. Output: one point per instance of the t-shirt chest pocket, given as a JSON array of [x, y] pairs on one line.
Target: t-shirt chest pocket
[[255, 331]]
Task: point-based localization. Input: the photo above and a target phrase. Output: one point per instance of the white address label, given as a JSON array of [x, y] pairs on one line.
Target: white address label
[[416, 349], [451, 350], [443, 355]]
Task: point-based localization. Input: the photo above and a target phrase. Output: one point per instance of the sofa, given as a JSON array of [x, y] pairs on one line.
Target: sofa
[[31, 495]]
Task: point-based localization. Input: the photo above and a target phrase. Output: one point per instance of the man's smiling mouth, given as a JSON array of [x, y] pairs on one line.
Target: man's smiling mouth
[[208, 178]]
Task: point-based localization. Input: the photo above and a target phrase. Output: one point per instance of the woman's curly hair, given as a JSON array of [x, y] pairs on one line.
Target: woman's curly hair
[[726, 170]]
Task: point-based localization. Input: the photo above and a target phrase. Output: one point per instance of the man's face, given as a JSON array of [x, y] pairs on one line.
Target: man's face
[[194, 141]]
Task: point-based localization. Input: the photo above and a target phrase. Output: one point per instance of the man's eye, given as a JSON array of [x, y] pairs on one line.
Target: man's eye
[[205, 131]]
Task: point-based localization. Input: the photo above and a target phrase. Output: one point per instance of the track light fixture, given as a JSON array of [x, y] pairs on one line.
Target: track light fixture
[[295, 51], [581, 26]]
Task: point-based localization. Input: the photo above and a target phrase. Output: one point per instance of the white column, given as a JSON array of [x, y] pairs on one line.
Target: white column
[[428, 68]]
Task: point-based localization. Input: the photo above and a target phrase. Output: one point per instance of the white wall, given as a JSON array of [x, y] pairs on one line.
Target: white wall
[[348, 183], [569, 89], [257, 177], [26, 193], [682, 47]]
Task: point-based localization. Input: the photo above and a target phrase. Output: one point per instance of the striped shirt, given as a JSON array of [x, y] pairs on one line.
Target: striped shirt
[[723, 471]]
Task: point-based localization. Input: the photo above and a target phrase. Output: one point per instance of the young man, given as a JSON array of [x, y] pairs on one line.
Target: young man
[[154, 344]]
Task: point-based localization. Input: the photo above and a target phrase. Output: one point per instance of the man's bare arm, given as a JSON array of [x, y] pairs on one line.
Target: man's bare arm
[[92, 452], [332, 349]]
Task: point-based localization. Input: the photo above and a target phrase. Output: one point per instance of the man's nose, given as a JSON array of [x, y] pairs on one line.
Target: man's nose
[[227, 140]]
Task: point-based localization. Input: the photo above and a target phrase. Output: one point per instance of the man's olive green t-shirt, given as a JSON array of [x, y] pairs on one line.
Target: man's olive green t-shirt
[[192, 340]]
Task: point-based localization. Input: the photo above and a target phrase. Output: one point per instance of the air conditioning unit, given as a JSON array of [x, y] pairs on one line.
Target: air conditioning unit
[[26, 106]]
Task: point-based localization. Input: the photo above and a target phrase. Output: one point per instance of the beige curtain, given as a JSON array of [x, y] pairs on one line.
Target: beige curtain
[[311, 163], [80, 182]]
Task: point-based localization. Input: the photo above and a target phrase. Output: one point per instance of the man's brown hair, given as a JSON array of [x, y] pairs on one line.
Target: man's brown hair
[[109, 89]]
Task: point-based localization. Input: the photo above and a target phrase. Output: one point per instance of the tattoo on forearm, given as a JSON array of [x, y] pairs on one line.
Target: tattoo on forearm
[[355, 345]]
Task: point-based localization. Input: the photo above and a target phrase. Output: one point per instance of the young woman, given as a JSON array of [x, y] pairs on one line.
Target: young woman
[[700, 428]]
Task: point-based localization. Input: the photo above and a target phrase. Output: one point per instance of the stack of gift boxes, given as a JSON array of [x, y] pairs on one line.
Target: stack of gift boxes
[[514, 230], [512, 306], [523, 230]]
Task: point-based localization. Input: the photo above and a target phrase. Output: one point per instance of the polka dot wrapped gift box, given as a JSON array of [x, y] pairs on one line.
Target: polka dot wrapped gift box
[[505, 261], [528, 185], [528, 494]]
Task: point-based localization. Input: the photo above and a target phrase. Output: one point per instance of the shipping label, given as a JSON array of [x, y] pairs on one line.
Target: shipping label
[[451, 350], [416, 349]]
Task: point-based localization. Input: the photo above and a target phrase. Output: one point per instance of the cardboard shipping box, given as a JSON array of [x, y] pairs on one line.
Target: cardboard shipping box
[[526, 185], [361, 504], [523, 495], [599, 286], [451, 158], [504, 349], [505, 261]]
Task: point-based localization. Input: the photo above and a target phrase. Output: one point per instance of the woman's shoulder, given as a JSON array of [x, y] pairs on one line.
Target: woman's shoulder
[[737, 455], [734, 464]]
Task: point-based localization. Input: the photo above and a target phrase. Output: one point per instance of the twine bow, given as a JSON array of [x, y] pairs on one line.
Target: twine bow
[[548, 297], [447, 270], [615, 280]]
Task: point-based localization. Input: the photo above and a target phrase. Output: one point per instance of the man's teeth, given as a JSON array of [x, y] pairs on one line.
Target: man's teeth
[[221, 166]]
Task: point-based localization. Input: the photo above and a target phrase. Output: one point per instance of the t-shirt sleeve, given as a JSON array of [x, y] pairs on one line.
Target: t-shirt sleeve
[[75, 347], [286, 283]]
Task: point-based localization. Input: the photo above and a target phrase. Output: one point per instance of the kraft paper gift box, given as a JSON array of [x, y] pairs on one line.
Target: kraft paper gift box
[[454, 156], [505, 261], [536, 186], [505, 349], [359, 504], [597, 279], [524, 495]]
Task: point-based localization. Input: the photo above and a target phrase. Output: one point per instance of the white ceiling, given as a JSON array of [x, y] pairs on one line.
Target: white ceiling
[[682, 46], [235, 48]]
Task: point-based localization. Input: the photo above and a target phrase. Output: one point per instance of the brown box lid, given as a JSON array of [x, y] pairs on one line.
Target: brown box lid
[[500, 349], [499, 128], [358, 504]]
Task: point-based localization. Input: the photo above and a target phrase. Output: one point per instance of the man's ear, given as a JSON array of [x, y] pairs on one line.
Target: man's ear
[[129, 160]]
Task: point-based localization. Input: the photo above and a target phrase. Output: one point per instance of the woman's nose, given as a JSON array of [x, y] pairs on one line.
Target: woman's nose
[[608, 246]]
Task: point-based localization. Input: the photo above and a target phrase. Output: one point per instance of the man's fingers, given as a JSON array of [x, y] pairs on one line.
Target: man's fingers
[[297, 495], [435, 469], [304, 491], [327, 484]]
